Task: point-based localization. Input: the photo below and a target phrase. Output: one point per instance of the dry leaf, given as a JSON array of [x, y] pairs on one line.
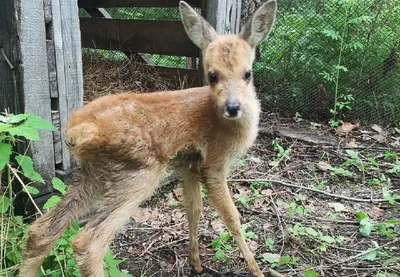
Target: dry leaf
[[272, 257], [273, 163], [267, 192], [346, 128], [141, 215], [375, 213], [397, 130], [324, 166], [380, 138], [218, 226], [352, 144], [255, 159], [338, 207], [253, 246], [377, 128], [178, 192], [259, 203], [316, 124]]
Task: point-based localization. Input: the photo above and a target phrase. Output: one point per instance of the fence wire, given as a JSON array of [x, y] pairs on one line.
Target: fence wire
[[325, 59], [332, 59]]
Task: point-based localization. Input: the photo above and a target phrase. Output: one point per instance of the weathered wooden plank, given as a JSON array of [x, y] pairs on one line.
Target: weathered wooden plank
[[61, 79], [51, 63], [224, 15], [68, 55], [55, 119], [11, 94], [35, 81], [143, 36], [133, 3]]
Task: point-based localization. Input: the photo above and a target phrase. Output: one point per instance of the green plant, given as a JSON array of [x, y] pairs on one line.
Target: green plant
[[282, 153], [276, 262], [297, 117], [220, 245], [60, 261], [269, 244], [322, 241], [386, 228], [294, 207]]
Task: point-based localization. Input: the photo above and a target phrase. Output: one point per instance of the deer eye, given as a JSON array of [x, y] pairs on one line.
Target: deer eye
[[212, 78], [247, 75]]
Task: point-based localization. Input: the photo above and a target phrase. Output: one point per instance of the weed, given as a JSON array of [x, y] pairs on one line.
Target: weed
[[386, 228], [322, 241], [220, 245], [60, 260]]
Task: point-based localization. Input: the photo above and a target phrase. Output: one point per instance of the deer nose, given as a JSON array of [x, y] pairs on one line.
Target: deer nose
[[232, 109]]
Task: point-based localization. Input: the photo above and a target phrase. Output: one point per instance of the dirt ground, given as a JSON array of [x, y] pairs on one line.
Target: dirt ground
[[310, 197]]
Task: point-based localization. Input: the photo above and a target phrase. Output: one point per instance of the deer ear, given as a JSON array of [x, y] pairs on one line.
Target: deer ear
[[196, 27], [259, 26]]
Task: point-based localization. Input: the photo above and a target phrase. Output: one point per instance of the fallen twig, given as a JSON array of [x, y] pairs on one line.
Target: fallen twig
[[311, 189], [366, 252]]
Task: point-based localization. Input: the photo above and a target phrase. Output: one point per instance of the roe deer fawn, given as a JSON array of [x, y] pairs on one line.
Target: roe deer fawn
[[126, 141]]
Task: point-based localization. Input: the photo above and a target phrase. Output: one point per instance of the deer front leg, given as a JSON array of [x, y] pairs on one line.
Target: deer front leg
[[193, 205], [218, 193]]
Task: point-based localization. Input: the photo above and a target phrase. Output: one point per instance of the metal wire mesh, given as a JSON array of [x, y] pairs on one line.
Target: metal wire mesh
[[332, 59]]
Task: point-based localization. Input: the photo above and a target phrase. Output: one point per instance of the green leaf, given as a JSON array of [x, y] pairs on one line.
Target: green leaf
[[331, 34], [341, 67], [12, 118], [216, 244], [310, 273], [220, 255], [284, 260], [392, 221], [361, 215], [371, 256], [59, 185], [39, 123], [4, 204], [31, 190], [5, 152], [24, 131], [365, 227], [328, 239], [312, 232], [52, 202], [26, 164]]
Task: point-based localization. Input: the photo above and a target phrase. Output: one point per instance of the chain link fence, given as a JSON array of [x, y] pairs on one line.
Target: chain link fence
[[332, 60], [325, 59]]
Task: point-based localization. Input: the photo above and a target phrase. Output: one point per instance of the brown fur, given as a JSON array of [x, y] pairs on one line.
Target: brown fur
[[126, 141]]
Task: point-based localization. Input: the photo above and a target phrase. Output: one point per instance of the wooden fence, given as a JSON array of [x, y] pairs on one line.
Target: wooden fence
[[41, 73]]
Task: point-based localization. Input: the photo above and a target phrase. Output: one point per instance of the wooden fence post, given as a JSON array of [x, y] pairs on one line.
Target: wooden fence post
[[41, 73], [224, 15]]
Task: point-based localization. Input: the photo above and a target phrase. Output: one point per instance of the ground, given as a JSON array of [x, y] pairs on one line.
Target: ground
[[310, 197]]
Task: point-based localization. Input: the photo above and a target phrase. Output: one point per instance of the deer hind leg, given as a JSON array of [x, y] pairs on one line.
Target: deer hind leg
[[47, 228], [193, 205], [220, 198], [119, 202]]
